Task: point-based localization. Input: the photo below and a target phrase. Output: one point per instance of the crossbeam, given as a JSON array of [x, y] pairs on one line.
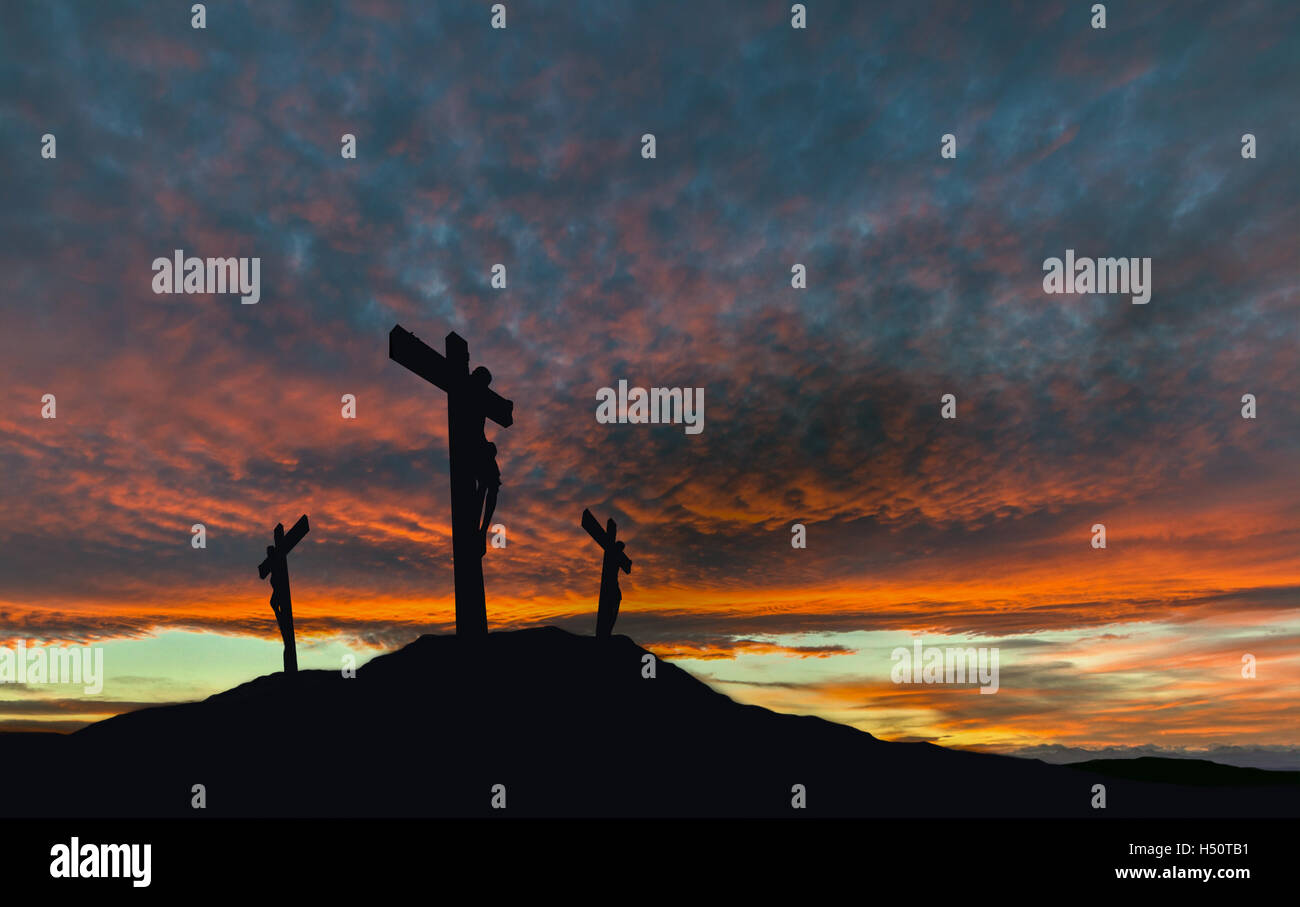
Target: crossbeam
[[284, 543], [442, 372], [605, 538]]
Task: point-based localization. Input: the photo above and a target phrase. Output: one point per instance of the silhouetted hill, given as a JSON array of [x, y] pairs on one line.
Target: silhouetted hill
[[569, 726], [1188, 771]]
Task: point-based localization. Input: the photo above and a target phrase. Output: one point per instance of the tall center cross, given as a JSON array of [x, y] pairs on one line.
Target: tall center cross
[[469, 404]]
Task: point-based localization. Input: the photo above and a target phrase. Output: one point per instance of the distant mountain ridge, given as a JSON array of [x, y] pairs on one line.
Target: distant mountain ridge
[[1273, 758], [566, 725]]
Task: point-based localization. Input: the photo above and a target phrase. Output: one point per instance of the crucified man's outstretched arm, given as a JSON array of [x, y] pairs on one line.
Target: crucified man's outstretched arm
[[489, 482], [489, 507]]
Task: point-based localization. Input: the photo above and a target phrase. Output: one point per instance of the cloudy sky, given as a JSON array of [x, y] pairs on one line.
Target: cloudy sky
[[774, 147]]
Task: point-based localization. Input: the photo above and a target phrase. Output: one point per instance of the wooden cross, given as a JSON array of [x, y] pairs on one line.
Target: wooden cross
[[614, 561], [468, 405], [277, 564]]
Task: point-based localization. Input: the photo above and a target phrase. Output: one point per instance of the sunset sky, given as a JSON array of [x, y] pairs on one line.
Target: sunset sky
[[774, 147]]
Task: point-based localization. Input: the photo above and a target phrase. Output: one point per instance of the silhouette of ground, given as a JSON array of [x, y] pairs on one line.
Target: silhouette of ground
[[1187, 771], [571, 728]]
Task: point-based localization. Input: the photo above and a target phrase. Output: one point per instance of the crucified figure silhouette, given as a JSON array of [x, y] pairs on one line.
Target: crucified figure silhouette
[[488, 483], [487, 475]]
